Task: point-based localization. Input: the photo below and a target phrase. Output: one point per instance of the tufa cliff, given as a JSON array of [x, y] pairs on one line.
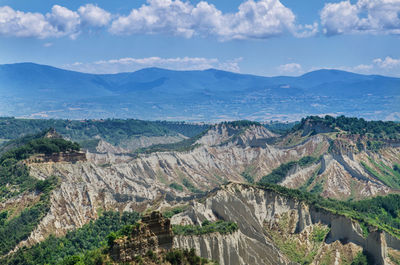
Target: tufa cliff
[[224, 153], [153, 233], [277, 229]]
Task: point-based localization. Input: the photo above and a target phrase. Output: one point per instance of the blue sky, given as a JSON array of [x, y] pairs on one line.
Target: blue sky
[[265, 37]]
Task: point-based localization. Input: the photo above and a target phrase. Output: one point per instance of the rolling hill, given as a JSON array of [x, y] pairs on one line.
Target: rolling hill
[[32, 90]]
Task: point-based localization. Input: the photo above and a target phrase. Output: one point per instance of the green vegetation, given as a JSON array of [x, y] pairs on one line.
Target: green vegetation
[[387, 175], [15, 179], [207, 227], [186, 129], [73, 246], [180, 257], [174, 257], [317, 189], [308, 183], [113, 131], [280, 127], [173, 211], [19, 228], [373, 129], [381, 212], [189, 185], [298, 248], [241, 123], [176, 186], [247, 174], [279, 173], [361, 259], [91, 257], [319, 233], [181, 146], [89, 245], [249, 178]]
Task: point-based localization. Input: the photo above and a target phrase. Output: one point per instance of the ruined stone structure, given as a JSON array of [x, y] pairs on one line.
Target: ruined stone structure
[[69, 157], [152, 233]]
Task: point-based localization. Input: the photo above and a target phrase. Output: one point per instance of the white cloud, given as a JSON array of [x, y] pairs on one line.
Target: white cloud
[[387, 63], [290, 68], [253, 20], [365, 16], [363, 67], [60, 22], [65, 21], [132, 64], [95, 16], [20, 24]]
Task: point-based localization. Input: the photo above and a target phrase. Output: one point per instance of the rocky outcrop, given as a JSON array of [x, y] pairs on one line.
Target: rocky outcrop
[[52, 134], [315, 127], [152, 233], [254, 208], [232, 249]]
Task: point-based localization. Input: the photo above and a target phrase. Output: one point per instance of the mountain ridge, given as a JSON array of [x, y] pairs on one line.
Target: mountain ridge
[[33, 90]]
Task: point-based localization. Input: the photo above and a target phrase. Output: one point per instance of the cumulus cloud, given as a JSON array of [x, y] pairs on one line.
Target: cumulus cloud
[[132, 64], [254, 19], [387, 63], [364, 16], [60, 22], [93, 15], [290, 68], [20, 24]]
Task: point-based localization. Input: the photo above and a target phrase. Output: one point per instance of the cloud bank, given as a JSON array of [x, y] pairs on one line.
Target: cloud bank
[[253, 20], [132, 64]]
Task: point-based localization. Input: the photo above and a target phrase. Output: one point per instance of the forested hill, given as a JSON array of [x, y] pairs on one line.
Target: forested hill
[[360, 126], [111, 130]]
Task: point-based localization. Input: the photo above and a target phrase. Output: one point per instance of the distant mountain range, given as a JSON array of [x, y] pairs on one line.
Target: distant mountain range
[[32, 90]]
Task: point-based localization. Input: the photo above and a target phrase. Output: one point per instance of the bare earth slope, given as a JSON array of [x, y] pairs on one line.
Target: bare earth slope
[[274, 229]]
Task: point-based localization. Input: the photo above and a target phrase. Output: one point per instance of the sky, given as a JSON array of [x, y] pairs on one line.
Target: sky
[[264, 37]]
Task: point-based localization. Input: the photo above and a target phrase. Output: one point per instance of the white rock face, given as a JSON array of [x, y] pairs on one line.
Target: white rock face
[[232, 249], [252, 208]]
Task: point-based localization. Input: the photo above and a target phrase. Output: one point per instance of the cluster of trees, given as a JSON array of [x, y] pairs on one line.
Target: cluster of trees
[[173, 211], [112, 130], [18, 228], [206, 227], [174, 257], [40, 146], [187, 129], [179, 257], [280, 127], [376, 129], [14, 175], [241, 123], [279, 173], [81, 244]]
